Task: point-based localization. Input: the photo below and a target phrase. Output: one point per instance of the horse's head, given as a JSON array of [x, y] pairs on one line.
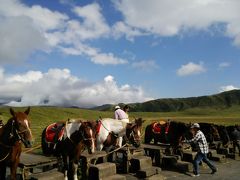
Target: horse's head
[[133, 132], [88, 133], [215, 133], [21, 126]]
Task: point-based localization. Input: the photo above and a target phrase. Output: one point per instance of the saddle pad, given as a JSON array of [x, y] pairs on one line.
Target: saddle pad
[[156, 127], [54, 132], [98, 126]]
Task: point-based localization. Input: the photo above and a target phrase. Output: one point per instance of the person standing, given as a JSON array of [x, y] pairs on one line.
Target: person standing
[[200, 140], [236, 139]]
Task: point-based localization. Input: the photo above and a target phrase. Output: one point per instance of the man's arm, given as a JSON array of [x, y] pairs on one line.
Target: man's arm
[[194, 139], [116, 115]]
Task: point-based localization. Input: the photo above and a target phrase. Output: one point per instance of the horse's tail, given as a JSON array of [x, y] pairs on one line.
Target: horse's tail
[[148, 134]]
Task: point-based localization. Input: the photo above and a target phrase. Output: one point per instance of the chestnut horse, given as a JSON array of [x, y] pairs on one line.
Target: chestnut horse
[[15, 132], [109, 130], [77, 136]]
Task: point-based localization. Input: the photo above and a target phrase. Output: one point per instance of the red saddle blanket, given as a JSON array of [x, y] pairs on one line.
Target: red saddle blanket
[[158, 127], [99, 124], [54, 132]]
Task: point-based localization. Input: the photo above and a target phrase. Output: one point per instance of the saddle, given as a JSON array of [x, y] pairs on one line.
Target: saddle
[[54, 132], [159, 127]]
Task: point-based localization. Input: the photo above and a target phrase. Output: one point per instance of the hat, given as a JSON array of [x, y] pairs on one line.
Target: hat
[[117, 107], [195, 125]]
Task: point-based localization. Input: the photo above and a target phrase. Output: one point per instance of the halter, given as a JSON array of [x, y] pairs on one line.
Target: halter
[[132, 135]]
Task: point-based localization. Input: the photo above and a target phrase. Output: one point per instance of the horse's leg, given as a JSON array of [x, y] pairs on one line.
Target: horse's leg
[[77, 154], [75, 168], [2, 171], [65, 166], [120, 140], [14, 169]]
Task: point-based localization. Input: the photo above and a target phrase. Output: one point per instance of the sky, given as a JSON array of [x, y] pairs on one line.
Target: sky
[[88, 53]]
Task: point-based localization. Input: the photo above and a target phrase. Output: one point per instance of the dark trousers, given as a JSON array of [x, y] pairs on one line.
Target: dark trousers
[[201, 157], [236, 144]]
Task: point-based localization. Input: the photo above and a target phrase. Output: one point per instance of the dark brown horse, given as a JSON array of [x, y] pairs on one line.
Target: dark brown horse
[[167, 132], [77, 136], [15, 132], [211, 133]]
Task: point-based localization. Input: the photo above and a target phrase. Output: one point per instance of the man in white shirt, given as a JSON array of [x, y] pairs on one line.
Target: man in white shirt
[[120, 114]]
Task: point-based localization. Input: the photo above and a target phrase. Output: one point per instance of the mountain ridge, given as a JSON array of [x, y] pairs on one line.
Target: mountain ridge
[[217, 101]]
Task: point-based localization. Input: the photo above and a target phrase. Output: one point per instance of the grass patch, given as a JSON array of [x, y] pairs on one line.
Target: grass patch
[[43, 116]]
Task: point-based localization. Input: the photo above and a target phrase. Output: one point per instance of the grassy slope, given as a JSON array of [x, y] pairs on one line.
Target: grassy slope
[[43, 116]]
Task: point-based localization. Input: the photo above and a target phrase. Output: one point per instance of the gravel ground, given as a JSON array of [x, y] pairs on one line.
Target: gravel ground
[[226, 171]]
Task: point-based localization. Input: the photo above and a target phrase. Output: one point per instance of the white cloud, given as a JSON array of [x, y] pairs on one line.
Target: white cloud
[[95, 55], [120, 29], [145, 65], [19, 38], [227, 88], [224, 64], [93, 24], [59, 87], [169, 17], [39, 28], [191, 68]]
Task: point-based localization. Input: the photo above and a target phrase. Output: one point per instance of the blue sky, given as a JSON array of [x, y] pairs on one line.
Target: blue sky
[[88, 53]]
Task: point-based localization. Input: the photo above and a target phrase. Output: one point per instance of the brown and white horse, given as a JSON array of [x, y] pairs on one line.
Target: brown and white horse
[[15, 132], [109, 130], [77, 136]]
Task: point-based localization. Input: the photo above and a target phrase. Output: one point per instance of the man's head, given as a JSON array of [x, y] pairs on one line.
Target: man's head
[[126, 108], [195, 127], [117, 107]]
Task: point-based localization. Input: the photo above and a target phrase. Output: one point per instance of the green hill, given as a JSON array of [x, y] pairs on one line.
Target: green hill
[[218, 101]]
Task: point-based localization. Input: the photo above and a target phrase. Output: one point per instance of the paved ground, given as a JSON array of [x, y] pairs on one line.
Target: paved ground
[[226, 171]]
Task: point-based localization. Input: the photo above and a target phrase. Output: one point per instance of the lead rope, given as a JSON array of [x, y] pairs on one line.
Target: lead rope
[[5, 157]]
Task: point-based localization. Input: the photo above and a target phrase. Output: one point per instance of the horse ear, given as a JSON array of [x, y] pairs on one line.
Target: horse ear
[[93, 124], [27, 111], [12, 112]]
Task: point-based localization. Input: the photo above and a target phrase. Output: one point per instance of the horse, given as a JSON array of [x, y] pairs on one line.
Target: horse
[[167, 132], [15, 132], [77, 136], [224, 135], [109, 130], [211, 132]]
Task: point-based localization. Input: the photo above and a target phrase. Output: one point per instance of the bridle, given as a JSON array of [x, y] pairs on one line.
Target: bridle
[[17, 132], [86, 139], [132, 135]]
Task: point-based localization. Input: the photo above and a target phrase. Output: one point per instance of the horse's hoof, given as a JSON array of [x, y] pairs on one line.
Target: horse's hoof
[[75, 177]]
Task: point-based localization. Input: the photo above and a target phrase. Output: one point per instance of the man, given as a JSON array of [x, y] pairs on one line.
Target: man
[[202, 146], [123, 116], [236, 139], [120, 114]]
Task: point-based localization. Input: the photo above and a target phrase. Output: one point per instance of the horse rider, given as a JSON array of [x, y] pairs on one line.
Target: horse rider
[[200, 140], [236, 139], [121, 114]]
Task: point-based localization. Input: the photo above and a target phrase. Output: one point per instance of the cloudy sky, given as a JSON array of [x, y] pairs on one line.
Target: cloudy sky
[[88, 53]]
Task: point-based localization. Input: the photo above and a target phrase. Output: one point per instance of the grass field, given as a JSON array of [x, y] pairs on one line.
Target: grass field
[[43, 116]]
